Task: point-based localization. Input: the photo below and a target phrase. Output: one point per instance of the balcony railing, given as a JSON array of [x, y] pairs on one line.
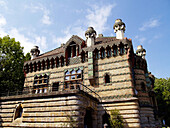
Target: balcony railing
[[31, 90]]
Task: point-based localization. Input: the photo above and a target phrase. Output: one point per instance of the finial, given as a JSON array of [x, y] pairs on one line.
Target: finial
[[119, 29], [35, 52], [141, 51], [90, 36]]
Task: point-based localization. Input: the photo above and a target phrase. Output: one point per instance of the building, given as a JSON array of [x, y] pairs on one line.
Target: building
[[80, 82]]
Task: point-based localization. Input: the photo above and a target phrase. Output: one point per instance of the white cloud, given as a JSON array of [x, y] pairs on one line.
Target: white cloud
[[3, 4], [152, 23], [2, 21], [97, 17], [45, 18], [140, 39], [41, 41]]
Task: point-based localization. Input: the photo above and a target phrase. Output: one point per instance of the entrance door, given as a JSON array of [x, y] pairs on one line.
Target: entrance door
[[88, 121]]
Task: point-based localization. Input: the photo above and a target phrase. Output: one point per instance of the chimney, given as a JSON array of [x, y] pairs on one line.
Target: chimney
[[90, 36], [141, 51], [35, 52], [119, 29]]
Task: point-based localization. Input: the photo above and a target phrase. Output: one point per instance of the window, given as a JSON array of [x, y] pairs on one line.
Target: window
[[52, 63], [73, 79], [115, 50], [62, 61], [97, 54], [107, 78], [109, 52], [143, 87], [55, 86], [103, 54], [39, 66], [40, 83], [18, 112], [48, 63], [43, 65], [122, 50], [31, 67]]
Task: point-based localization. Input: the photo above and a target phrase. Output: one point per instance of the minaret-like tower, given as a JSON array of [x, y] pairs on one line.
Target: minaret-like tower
[[90, 36], [141, 51], [119, 29], [35, 52]]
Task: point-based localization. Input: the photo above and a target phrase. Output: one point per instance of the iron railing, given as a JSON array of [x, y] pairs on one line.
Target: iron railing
[[31, 90]]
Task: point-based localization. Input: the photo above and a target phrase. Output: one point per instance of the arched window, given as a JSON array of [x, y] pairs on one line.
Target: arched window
[[57, 62], [39, 65], [97, 54], [107, 78], [122, 49], [31, 67], [48, 63], [18, 112], [52, 63], [109, 52], [103, 54], [62, 61], [115, 50], [43, 65], [35, 67], [143, 87], [83, 57]]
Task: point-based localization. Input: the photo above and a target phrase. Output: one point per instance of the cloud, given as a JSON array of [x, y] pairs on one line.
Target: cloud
[[97, 16], [152, 23], [35, 8], [41, 41], [2, 21], [140, 39], [3, 4]]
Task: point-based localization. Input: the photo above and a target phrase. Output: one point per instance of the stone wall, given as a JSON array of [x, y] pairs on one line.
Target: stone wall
[[50, 110]]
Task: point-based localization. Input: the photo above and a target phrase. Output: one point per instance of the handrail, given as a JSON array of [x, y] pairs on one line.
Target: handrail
[[30, 90]]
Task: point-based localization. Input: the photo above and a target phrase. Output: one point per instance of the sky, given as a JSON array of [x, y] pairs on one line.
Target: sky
[[48, 23]]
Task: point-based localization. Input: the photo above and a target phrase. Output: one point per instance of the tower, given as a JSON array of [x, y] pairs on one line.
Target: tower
[[90, 36], [119, 29], [35, 52], [141, 51]]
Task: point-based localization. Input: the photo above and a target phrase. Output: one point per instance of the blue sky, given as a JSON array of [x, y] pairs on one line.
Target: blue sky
[[48, 23]]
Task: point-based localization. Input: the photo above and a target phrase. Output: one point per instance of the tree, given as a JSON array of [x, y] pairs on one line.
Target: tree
[[116, 120], [11, 65], [162, 90]]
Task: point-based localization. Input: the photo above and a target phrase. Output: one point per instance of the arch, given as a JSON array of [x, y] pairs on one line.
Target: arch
[[107, 78], [43, 65], [82, 56], [62, 61], [103, 54], [39, 65], [31, 67], [18, 111], [96, 53], [35, 66], [109, 51], [52, 63], [122, 49], [88, 120], [143, 87], [105, 119], [48, 64], [115, 50], [57, 62]]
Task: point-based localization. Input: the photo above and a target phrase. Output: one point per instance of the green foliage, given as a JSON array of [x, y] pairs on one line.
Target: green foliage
[[11, 65], [116, 120], [162, 90]]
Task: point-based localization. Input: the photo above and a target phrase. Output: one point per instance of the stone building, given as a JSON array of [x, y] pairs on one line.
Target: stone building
[[79, 83]]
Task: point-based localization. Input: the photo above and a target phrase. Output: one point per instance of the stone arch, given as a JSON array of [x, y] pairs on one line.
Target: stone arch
[[18, 111], [107, 78]]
